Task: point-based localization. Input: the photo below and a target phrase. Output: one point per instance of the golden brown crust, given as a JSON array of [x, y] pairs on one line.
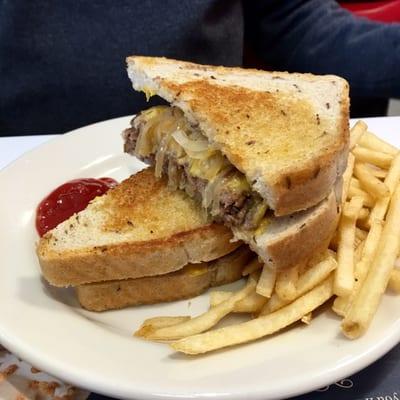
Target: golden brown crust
[[143, 206], [300, 183], [320, 174], [185, 283]]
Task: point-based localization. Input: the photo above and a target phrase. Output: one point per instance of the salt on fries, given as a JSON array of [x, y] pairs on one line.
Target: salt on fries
[[358, 273]]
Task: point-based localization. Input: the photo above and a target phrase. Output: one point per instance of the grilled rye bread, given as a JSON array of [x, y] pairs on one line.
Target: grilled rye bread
[[138, 229], [189, 281], [286, 134]]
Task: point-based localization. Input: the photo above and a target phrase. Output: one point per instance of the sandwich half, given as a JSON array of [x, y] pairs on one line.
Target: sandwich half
[[137, 229], [261, 151]]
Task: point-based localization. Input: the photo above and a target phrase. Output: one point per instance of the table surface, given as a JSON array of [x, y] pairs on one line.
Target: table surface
[[379, 381]]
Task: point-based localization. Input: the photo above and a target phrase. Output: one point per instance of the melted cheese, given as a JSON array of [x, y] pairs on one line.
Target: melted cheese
[[163, 130], [148, 93]]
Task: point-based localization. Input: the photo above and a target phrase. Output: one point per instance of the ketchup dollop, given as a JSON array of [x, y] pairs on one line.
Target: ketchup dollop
[[67, 199]]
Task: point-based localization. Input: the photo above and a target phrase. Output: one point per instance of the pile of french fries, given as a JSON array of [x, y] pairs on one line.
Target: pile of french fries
[[355, 271]]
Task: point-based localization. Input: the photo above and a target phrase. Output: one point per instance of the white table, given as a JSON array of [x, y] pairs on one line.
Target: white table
[[11, 147]]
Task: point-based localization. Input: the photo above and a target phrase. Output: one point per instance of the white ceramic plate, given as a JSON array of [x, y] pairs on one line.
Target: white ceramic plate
[[96, 351]]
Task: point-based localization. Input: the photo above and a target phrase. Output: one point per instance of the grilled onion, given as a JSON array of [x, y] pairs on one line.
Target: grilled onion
[[190, 146]]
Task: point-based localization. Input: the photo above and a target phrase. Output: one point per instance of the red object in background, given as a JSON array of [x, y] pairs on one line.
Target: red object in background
[[67, 199], [382, 11]]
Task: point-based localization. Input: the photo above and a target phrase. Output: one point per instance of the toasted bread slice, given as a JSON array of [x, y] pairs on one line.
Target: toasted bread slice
[[293, 239], [287, 133], [188, 282], [140, 228]]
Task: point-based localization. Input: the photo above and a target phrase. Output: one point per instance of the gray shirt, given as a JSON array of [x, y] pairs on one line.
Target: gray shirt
[[62, 61]]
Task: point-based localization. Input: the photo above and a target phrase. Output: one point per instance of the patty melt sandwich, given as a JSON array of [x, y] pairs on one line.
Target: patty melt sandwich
[[140, 243], [262, 152]]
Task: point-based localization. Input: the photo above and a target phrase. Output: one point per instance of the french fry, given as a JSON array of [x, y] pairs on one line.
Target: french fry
[[253, 303], [286, 282], [381, 160], [355, 183], [347, 177], [308, 280], [368, 200], [307, 318], [344, 274], [218, 296], [360, 234], [159, 322], [364, 214], [341, 305], [258, 327], [394, 281], [391, 181], [372, 142], [369, 182], [202, 322], [251, 267], [379, 173], [357, 132], [369, 249], [266, 283], [366, 303]]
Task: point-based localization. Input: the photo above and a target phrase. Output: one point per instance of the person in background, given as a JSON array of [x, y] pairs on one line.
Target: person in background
[[62, 63]]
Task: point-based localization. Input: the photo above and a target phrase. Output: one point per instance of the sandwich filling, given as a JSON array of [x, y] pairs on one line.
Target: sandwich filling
[[164, 137]]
